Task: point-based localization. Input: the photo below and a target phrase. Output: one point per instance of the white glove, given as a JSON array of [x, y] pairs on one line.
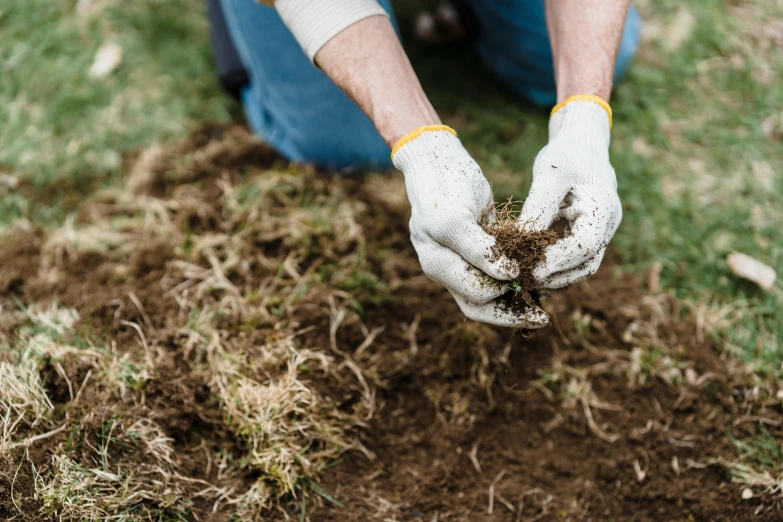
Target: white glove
[[449, 196], [573, 179]]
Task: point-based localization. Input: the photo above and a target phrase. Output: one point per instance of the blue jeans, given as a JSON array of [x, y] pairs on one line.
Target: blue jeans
[[295, 108]]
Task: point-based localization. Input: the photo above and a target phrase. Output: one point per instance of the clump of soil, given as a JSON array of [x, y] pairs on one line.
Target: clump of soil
[[522, 250]]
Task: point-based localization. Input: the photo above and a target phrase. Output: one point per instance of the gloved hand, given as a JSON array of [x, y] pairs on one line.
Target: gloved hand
[[573, 179], [449, 196]]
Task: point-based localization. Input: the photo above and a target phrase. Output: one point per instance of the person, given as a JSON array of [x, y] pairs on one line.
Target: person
[[329, 83]]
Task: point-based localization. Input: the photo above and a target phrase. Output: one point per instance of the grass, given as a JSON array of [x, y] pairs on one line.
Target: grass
[[62, 127], [765, 450], [718, 175], [112, 488], [760, 464]]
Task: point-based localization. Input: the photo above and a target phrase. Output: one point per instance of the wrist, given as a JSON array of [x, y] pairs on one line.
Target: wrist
[[572, 77], [568, 91], [395, 124]]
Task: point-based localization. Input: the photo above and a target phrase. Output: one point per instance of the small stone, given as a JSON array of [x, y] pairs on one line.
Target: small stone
[[106, 60], [747, 494], [752, 269]]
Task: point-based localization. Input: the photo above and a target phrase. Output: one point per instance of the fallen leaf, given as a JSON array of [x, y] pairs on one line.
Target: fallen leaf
[[752, 269], [106, 60]]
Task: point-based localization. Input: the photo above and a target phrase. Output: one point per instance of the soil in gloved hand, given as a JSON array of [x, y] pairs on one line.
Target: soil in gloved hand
[[524, 250]]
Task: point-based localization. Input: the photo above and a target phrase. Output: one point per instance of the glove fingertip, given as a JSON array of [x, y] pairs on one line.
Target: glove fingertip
[[531, 319], [539, 211], [535, 318], [542, 272]]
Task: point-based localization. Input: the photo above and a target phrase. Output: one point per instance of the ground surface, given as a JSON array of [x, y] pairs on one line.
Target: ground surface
[[227, 336], [192, 326]]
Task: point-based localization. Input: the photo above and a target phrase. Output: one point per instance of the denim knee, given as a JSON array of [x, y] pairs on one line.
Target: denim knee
[[629, 43], [514, 44], [291, 104]]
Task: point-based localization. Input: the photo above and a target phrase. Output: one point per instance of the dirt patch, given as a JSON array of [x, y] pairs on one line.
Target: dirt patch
[[226, 284], [438, 457], [19, 258], [16, 488]]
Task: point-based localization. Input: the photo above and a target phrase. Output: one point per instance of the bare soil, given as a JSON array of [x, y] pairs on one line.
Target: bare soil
[[16, 488], [473, 423], [546, 460]]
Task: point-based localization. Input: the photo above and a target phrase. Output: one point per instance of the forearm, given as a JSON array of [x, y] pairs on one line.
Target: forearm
[[367, 61], [585, 35]]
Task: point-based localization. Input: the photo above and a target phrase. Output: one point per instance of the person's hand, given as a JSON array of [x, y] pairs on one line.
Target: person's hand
[[574, 180], [449, 196]]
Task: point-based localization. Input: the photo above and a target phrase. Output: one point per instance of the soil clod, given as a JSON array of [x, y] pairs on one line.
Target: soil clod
[[521, 250]]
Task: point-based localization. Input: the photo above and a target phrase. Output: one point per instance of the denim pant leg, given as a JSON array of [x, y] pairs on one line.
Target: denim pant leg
[[514, 43], [293, 105]]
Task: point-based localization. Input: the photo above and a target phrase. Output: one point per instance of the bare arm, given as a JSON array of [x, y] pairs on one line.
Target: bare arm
[[572, 175], [448, 193], [585, 35], [366, 60]]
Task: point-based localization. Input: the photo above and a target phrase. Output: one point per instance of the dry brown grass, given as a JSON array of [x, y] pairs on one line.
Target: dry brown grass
[[288, 429], [120, 488]]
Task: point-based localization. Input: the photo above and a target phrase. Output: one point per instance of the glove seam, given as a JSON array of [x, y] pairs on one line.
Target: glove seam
[[585, 97], [418, 132]]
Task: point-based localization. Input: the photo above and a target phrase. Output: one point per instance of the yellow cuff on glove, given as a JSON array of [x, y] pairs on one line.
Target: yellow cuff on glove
[[418, 132], [585, 97]]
